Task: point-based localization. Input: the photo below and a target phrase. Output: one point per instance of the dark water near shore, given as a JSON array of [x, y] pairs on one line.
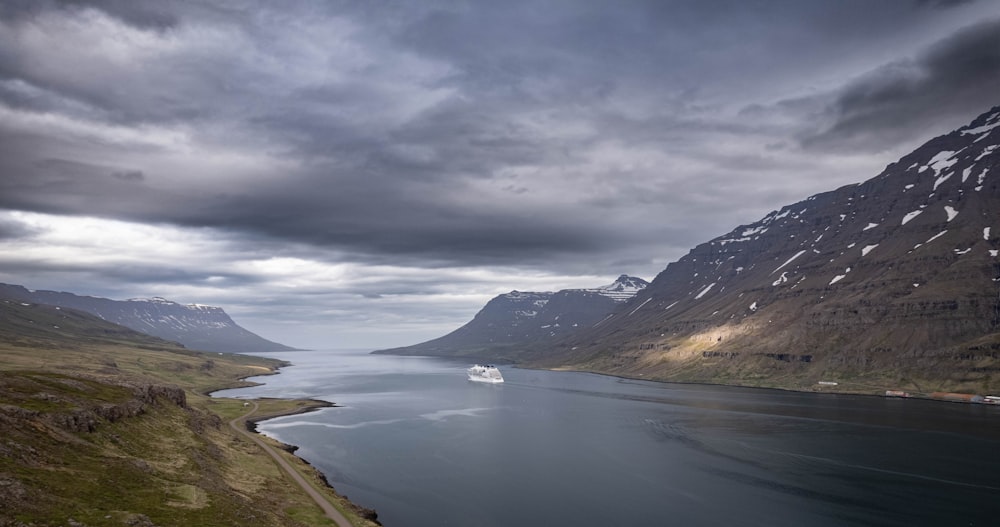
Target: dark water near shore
[[423, 446]]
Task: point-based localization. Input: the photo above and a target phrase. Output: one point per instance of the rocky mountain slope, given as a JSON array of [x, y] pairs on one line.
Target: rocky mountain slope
[[29, 325], [511, 322], [893, 282], [195, 326]]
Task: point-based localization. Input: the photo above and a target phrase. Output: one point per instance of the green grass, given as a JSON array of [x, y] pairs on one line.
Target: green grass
[[176, 466]]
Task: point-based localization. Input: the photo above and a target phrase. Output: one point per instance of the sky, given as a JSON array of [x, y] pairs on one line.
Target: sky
[[368, 174]]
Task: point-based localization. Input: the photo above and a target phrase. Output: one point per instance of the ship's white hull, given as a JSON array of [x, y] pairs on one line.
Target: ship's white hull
[[487, 374], [483, 379]]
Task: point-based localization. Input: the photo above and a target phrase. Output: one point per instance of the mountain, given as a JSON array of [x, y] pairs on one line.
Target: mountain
[[621, 290], [890, 283], [195, 326], [30, 325], [511, 322]]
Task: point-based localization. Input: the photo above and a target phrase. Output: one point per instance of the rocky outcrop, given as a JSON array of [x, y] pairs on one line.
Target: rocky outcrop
[[88, 418], [81, 404], [153, 393]]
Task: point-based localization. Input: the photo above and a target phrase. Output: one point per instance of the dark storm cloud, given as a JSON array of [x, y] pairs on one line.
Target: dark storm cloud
[[386, 224], [126, 78], [11, 230], [170, 274], [146, 15], [943, 4], [65, 186], [16, 93], [381, 163], [954, 80], [165, 274], [152, 15], [129, 175], [466, 133]]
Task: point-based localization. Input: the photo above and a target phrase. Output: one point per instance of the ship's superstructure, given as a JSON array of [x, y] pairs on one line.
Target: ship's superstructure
[[485, 373]]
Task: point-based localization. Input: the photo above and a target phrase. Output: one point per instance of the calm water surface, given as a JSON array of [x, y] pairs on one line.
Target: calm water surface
[[424, 447]]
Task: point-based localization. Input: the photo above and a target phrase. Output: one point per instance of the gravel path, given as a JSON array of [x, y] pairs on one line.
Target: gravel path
[[328, 508]]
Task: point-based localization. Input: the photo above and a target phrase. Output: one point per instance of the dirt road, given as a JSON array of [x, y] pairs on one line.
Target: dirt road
[[328, 508]]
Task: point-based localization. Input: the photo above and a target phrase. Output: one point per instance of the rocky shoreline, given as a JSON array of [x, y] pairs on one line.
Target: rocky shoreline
[[313, 405], [307, 405]]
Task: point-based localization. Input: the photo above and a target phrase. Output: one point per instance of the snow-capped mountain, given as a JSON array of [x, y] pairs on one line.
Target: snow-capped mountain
[[509, 323], [195, 326], [623, 288], [893, 282]]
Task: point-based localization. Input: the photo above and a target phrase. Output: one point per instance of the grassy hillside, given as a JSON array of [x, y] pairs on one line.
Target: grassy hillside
[[106, 426]]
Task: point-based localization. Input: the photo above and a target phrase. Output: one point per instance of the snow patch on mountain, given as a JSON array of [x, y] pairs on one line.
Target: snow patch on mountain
[[940, 180], [980, 129], [936, 236], [788, 261], [951, 212], [910, 215], [640, 305], [840, 277], [705, 290], [755, 230], [981, 178], [941, 161]]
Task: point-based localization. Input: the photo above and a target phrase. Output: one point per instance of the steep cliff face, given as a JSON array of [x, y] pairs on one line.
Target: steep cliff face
[[510, 323], [895, 280], [195, 326]]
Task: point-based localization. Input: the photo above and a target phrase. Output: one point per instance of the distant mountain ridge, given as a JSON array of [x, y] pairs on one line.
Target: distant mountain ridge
[[509, 323], [195, 326], [32, 325]]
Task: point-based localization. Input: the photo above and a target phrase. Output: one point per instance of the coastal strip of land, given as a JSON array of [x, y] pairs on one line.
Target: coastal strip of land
[[239, 424], [105, 427]]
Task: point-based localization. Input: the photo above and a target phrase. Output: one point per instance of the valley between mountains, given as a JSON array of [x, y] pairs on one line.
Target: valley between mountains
[[891, 284]]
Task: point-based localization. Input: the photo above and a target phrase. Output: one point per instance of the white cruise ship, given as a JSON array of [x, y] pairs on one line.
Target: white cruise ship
[[487, 373]]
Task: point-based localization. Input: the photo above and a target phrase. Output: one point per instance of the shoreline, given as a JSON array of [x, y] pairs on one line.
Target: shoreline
[[313, 406], [242, 382], [366, 513], [841, 388], [818, 389], [308, 405]]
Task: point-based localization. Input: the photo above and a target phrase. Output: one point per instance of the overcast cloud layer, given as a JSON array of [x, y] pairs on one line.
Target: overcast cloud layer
[[367, 174]]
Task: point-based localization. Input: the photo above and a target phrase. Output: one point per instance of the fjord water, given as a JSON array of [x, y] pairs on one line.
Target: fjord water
[[415, 440]]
